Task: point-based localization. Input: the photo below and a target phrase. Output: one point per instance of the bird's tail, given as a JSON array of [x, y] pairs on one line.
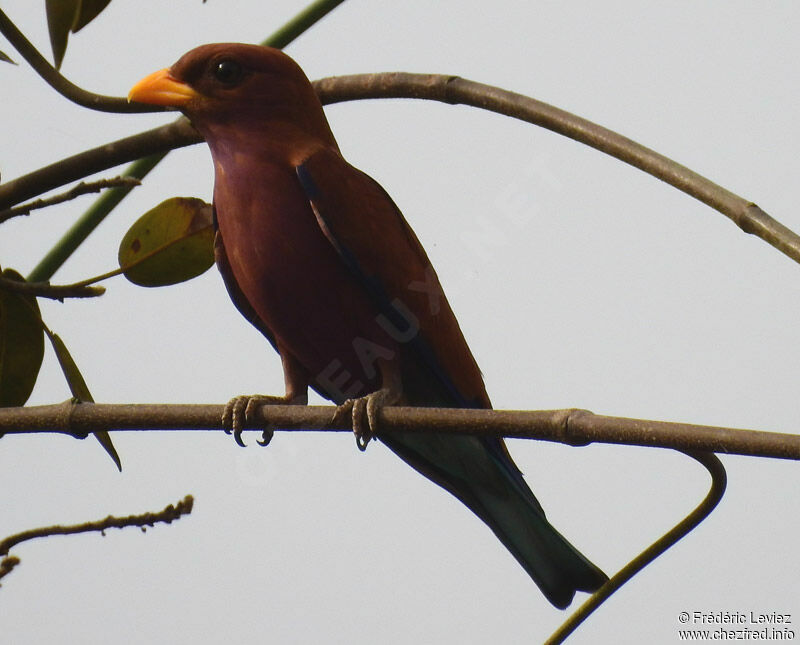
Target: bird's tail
[[480, 473]]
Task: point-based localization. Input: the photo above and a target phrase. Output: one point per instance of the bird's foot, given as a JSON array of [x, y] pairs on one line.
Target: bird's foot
[[240, 409], [364, 414]]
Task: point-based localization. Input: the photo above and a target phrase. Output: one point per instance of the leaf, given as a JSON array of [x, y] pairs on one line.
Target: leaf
[[171, 243], [75, 380], [79, 389], [88, 10], [61, 15], [4, 58], [21, 344]]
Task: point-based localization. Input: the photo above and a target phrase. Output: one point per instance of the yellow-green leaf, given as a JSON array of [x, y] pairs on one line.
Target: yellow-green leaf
[[60, 18], [171, 243], [88, 10], [21, 344], [77, 384], [80, 391]]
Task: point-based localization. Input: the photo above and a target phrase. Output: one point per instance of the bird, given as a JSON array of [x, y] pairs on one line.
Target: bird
[[316, 255]]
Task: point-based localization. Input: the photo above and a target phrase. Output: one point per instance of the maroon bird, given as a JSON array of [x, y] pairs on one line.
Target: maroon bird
[[316, 255]]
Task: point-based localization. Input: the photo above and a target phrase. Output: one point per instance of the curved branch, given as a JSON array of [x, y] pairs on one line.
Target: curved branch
[[60, 84], [570, 426], [452, 90], [456, 90], [719, 480]]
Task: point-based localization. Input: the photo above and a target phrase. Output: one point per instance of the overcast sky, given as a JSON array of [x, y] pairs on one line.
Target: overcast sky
[[599, 287]]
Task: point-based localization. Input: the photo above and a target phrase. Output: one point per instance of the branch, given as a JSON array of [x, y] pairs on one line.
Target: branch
[[82, 188], [447, 89], [719, 481], [300, 23], [52, 291], [455, 90], [7, 565], [570, 426], [168, 515], [60, 84]]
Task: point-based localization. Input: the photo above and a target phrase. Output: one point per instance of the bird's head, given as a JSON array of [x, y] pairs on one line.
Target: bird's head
[[232, 87]]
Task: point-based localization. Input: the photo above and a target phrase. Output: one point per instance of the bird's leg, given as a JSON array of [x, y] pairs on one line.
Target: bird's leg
[[364, 410], [241, 409]]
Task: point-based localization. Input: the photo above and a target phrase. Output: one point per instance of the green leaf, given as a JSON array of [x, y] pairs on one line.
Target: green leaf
[[79, 389], [4, 58], [88, 10], [21, 344], [61, 15], [75, 380], [171, 243]]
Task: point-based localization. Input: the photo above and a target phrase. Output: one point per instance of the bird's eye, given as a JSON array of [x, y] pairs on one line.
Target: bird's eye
[[228, 72]]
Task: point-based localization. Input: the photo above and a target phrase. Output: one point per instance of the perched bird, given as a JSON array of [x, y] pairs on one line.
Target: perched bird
[[316, 255]]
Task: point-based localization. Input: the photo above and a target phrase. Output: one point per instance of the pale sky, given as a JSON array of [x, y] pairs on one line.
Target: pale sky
[[599, 287]]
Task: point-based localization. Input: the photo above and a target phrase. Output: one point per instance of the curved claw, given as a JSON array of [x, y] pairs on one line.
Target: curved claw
[[363, 431], [241, 409], [234, 416], [364, 414], [361, 443]]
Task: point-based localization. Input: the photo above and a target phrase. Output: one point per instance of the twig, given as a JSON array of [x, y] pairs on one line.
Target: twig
[[168, 515], [82, 188], [678, 532], [58, 82], [570, 426], [52, 291], [7, 565], [452, 90]]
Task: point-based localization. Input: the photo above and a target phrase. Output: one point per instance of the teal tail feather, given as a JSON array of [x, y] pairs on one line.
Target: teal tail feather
[[480, 473]]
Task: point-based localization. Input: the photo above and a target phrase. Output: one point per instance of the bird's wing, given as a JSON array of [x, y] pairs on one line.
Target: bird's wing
[[372, 238]]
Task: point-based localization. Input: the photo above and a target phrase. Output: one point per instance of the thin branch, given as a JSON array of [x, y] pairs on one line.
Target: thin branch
[[60, 84], [678, 532], [52, 291], [452, 90], [168, 515], [7, 565], [83, 188], [570, 426]]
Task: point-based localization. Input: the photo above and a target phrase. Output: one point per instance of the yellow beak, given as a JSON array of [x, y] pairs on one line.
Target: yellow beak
[[161, 88]]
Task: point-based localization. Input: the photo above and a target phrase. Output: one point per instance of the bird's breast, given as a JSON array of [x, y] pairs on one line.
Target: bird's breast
[[296, 282]]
